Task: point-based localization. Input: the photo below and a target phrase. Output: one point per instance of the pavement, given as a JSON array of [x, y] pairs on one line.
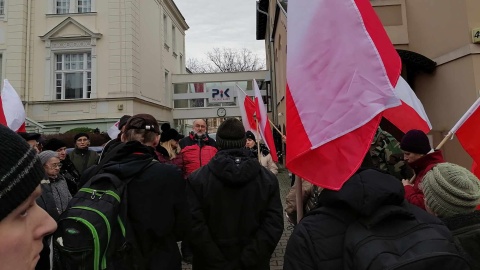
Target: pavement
[[276, 261]]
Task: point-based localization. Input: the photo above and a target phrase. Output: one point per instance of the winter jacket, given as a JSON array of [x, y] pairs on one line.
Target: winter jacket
[[157, 206], [164, 157], [265, 158], [421, 166], [310, 194], [318, 240], [71, 175], [466, 231], [83, 159], [196, 152], [237, 213]]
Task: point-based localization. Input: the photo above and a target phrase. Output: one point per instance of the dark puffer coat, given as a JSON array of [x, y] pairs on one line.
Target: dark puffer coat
[[237, 213], [318, 240]]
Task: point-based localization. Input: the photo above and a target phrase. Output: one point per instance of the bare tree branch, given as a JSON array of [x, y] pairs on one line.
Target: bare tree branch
[[227, 60]]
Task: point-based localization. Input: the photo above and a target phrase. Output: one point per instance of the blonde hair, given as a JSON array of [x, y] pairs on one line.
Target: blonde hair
[[171, 152]]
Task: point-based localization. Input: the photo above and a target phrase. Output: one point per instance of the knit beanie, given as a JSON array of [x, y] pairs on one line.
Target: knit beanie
[[231, 134], [54, 144], [250, 135], [415, 141], [20, 171], [450, 189], [46, 155], [81, 134]]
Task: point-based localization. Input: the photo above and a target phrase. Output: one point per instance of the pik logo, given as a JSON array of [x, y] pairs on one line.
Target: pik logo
[[216, 92]]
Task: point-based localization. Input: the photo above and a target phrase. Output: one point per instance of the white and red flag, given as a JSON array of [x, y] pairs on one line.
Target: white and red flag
[[113, 131], [467, 130], [264, 125], [409, 115], [341, 73], [247, 110], [12, 112]]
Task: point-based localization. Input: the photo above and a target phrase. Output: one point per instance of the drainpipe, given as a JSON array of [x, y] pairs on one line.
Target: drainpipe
[[272, 79], [27, 57]]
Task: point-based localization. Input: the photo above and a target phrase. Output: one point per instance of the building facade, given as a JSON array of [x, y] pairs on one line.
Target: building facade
[[435, 40], [85, 63]]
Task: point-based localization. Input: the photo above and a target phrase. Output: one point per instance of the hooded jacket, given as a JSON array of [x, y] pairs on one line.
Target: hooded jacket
[[196, 152], [237, 212], [317, 241], [157, 206]]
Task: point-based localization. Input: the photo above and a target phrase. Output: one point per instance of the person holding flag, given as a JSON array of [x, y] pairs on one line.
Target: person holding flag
[[263, 153]]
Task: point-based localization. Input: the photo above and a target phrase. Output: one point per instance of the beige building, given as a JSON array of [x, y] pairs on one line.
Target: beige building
[[435, 40], [78, 63]]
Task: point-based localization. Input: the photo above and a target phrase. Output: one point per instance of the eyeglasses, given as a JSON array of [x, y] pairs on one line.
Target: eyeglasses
[[200, 126], [54, 165]]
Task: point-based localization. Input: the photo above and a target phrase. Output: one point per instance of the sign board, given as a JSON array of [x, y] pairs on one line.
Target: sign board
[[221, 92]]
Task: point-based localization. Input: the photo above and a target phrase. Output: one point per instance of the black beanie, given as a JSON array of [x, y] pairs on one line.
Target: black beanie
[[20, 171], [231, 134], [54, 144], [250, 135], [81, 134], [415, 141], [170, 134]]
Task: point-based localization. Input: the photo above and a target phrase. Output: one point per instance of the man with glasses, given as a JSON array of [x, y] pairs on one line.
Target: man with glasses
[[197, 148], [81, 157]]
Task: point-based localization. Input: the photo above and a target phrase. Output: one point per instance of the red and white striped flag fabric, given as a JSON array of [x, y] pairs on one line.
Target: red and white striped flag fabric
[[12, 112], [247, 110], [341, 73], [467, 130], [113, 131], [264, 125], [409, 115]]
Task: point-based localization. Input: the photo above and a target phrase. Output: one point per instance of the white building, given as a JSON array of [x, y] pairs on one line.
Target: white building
[[78, 63]]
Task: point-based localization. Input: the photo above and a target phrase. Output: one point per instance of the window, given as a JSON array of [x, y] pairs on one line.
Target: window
[[165, 29], [73, 76], [2, 7], [73, 6], [174, 43]]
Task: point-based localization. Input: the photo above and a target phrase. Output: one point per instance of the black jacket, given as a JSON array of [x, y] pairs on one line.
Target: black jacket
[[157, 206], [237, 212], [466, 231], [318, 240]]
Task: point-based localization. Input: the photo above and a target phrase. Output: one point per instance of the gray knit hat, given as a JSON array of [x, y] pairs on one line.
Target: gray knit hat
[[231, 134], [46, 155], [20, 171], [450, 189]]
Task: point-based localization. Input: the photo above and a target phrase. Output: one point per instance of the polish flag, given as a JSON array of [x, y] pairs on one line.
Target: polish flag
[[12, 112], [341, 73], [467, 130], [247, 110], [264, 125], [113, 131], [409, 115]]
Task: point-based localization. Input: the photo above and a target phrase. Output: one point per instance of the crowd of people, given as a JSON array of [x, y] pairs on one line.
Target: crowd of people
[[220, 199]]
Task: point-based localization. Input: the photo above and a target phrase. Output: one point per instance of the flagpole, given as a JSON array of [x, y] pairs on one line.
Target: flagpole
[[299, 197], [275, 127], [460, 123], [258, 141]]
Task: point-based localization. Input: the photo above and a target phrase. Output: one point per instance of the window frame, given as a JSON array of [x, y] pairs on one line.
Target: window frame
[[86, 74], [73, 7]]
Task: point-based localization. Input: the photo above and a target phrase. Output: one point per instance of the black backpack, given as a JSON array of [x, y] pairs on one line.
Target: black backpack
[[401, 237], [94, 233]]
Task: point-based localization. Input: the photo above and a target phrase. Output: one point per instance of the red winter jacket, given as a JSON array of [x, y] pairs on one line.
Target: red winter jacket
[[196, 152], [421, 166]]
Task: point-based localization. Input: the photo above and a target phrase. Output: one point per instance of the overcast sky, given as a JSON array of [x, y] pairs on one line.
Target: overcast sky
[[219, 23]]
